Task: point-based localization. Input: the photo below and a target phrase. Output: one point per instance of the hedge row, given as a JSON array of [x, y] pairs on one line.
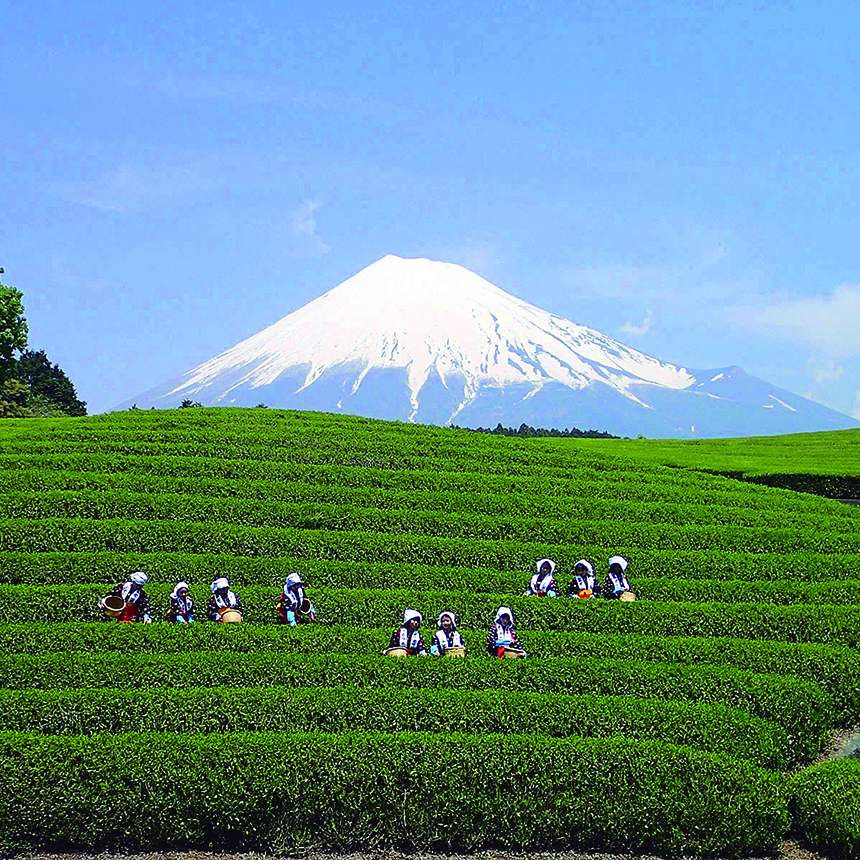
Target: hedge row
[[206, 710], [767, 576], [603, 476], [592, 500], [354, 452], [825, 808], [370, 791], [143, 508], [313, 541], [801, 707], [829, 486], [838, 625], [835, 670]]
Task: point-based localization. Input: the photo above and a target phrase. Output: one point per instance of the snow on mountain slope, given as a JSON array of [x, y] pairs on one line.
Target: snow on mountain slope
[[417, 340], [423, 316]]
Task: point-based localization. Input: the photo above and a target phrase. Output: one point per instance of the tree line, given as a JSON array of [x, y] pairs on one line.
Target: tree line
[[526, 431]]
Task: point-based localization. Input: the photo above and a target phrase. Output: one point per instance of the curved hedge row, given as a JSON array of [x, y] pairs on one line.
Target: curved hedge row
[[825, 808], [715, 728], [765, 574], [837, 625], [801, 707], [362, 791], [335, 484], [183, 511], [255, 502], [836, 670]]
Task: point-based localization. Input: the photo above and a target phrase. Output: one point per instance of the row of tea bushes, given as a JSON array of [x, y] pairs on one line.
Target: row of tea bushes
[[825, 808], [72, 494], [277, 518], [836, 670], [774, 577], [709, 727], [355, 790], [837, 625], [801, 707]]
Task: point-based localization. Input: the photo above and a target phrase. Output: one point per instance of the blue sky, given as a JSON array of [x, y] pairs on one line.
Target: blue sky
[[681, 176]]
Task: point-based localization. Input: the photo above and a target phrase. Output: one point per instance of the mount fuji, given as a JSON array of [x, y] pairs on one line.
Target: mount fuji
[[429, 342]]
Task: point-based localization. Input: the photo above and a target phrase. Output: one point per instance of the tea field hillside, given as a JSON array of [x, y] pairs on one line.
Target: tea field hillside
[[683, 723], [826, 464]]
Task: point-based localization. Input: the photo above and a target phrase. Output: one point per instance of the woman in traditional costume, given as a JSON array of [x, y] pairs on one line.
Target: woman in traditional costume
[[584, 583], [291, 602], [542, 583], [502, 636], [181, 609], [221, 600], [136, 602], [407, 636], [447, 636], [616, 580]]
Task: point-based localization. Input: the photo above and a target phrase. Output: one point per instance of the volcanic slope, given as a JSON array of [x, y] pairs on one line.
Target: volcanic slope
[[676, 716], [432, 342]]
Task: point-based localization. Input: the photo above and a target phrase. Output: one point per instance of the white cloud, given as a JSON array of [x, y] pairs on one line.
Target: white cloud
[[642, 328], [303, 229], [827, 323], [825, 370]]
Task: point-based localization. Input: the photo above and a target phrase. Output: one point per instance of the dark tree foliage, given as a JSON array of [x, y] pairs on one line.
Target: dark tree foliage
[[48, 381], [526, 432], [13, 328], [189, 404]]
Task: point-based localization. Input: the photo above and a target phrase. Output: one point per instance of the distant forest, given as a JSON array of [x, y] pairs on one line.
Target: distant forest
[[527, 432]]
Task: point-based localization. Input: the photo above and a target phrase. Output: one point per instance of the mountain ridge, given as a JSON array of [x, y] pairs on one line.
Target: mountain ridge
[[431, 342]]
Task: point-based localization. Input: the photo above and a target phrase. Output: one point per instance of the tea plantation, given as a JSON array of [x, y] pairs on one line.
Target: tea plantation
[[683, 723]]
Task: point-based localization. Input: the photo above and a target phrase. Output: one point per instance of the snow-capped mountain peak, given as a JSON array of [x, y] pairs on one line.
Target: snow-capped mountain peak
[[418, 340], [426, 316]]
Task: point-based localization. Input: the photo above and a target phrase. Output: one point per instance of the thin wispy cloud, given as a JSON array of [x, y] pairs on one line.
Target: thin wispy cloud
[[303, 229], [827, 323], [689, 278], [825, 370], [642, 328]]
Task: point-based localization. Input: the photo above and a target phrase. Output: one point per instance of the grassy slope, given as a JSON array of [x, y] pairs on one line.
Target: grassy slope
[[832, 453], [429, 515]]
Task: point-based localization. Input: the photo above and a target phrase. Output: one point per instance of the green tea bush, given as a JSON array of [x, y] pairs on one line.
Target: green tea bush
[[711, 727], [367, 791], [801, 707], [825, 808], [836, 625], [772, 577]]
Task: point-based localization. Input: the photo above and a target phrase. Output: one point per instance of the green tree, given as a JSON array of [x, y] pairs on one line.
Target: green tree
[[13, 328], [49, 385]]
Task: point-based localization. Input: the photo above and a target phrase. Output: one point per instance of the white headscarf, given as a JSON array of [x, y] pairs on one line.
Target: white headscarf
[[221, 582], [407, 639], [179, 587], [185, 603], [139, 577], [619, 560], [292, 579], [587, 565], [450, 615], [542, 561], [503, 635]]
